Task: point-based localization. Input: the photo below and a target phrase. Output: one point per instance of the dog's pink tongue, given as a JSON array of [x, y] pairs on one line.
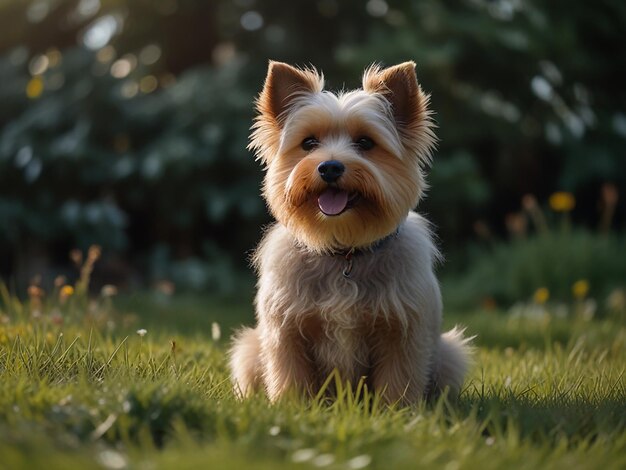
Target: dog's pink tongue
[[333, 201]]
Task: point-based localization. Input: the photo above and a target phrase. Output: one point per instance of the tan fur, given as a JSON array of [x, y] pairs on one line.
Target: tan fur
[[383, 321]]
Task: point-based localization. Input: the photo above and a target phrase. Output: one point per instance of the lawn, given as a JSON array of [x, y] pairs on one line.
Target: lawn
[[141, 382]]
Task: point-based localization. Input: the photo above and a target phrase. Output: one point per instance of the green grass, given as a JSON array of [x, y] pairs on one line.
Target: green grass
[[89, 392]]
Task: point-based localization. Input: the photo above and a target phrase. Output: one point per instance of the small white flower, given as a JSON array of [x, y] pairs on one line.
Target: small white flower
[[360, 461], [108, 290], [112, 459], [303, 455], [216, 331], [142, 332], [323, 460]]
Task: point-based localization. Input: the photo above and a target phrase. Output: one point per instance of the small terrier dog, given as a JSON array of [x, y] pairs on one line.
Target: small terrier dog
[[346, 278]]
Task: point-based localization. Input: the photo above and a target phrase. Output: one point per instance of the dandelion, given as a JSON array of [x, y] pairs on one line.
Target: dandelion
[[216, 332], [580, 289], [541, 295], [142, 332], [66, 291], [562, 201]]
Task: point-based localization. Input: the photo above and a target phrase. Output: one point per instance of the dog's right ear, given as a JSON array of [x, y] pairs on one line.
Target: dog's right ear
[[283, 84]]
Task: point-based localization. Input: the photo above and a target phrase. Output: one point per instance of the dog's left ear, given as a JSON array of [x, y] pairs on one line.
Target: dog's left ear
[[398, 84], [283, 84]]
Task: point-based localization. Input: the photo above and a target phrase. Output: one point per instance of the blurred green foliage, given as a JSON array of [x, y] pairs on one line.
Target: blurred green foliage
[[512, 272], [125, 123]]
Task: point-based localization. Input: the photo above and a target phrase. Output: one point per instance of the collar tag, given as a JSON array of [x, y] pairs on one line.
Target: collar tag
[[348, 257]]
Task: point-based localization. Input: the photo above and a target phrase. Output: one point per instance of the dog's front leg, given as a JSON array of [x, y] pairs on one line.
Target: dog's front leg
[[287, 366], [401, 367]]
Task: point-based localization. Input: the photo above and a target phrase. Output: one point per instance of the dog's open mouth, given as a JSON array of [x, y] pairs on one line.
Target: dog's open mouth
[[334, 201]]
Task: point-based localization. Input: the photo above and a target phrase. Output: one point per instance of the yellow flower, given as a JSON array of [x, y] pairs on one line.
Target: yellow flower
[[580, 289], [34, 88], [562, 201], [541, 295], [66, 291]]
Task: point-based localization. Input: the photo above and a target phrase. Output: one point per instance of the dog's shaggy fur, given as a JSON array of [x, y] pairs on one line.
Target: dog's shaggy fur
[[346, 276]]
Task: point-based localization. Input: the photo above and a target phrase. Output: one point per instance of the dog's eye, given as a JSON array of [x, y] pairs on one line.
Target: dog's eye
[[364, 143], [309, 143]]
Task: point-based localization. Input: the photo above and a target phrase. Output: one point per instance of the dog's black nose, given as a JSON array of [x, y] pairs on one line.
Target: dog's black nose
[[331, 170]]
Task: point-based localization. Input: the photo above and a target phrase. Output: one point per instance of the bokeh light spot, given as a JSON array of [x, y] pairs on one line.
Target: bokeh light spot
[[129, 89], [37, 11], [38, 65], [150, 54], [251, 20], [148, 84], [87, 8], [99, 33], [377, 8], [123, 66], [54, 56], [106, 54]]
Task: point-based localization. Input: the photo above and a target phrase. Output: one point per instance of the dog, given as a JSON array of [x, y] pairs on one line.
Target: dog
[[345, 276]]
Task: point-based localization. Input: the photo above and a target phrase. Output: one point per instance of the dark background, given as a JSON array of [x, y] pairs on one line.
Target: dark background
[[124, 124]]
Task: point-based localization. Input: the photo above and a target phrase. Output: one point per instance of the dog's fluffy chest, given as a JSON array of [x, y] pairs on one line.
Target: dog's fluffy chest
[[389, 283]]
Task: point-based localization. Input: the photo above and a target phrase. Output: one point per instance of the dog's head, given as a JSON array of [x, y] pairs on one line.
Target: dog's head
[[343, 170]]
